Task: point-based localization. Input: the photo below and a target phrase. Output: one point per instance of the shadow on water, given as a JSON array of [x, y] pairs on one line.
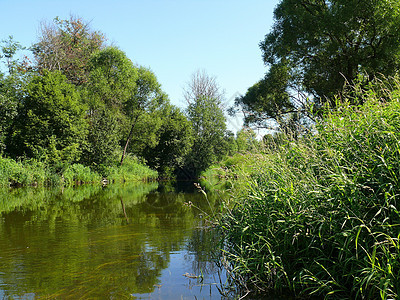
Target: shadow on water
[[118, 241]]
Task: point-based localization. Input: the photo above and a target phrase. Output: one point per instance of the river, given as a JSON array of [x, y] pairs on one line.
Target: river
[[132, 241]]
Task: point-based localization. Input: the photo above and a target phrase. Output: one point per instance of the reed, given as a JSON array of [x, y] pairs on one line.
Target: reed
[[320, 216]]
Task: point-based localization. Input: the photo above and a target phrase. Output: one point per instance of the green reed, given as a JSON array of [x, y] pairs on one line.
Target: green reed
[[320, 216]]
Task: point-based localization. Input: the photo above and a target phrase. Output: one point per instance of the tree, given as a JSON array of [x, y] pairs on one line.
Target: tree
[[66, 46], [208, 123], [11, 87], [111, 84], [209, 129], [318, 46], [174, 141], [267, 100], [202, 85], [246, 140], [143, 110], [50, 124]]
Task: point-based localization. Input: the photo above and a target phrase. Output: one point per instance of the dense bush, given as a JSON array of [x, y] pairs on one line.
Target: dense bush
[[321, 216]]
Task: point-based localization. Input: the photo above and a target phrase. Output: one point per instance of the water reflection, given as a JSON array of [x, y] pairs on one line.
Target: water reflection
[[105, 242]]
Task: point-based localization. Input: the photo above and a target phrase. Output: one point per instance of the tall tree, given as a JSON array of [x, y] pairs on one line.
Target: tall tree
[[209, 129], [202, 85], [208, 122], [319, 45], [142, 112], [66, 46], [111, 85], [12, 84]]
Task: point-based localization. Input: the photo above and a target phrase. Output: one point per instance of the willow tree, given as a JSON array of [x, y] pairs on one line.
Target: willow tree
[[111, 84]]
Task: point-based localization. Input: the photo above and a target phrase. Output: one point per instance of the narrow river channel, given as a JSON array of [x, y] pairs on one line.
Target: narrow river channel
[[136, 241]]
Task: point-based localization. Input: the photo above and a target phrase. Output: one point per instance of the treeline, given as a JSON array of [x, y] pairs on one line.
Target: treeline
[[76, 100]]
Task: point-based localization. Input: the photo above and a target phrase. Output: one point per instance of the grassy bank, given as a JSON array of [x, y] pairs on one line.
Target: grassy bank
[[32, 173], [320, 216]]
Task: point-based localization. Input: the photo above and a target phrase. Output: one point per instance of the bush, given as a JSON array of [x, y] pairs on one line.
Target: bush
[[79, 174], [131, 170]]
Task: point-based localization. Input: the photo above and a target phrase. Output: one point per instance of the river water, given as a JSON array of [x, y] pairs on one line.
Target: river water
[[136, 241]]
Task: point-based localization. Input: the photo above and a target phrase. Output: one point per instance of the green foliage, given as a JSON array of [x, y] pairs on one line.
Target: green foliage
[[9, 50], [328, 42], [320, 216], [79, 174], [175, 138], [66, 46], [102, 140], [209, 129], [112, 81], [51, 123], [30, 172], [316, 47], [246, 140], [132, 170], [144, 114], [79, 103], [267, 99]]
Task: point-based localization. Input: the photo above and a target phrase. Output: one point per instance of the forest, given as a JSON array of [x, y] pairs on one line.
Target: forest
[[313, 207], [78, 110]]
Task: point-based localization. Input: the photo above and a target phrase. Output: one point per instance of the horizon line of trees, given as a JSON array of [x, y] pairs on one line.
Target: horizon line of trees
[[79, 100]]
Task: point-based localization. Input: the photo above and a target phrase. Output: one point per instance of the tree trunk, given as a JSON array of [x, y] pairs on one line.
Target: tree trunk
[[128, 140]]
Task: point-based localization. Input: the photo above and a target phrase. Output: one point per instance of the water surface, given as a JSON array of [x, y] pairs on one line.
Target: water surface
[[116, 242]]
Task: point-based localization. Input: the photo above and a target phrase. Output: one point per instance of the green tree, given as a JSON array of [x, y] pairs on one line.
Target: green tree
[[9, 49], [174, 141], [316, 47], [11, 86], [246, 140], [102, 141], [51, 122], [66, 46], [111, 84], [209, 129], [144, 113], [210, 137]]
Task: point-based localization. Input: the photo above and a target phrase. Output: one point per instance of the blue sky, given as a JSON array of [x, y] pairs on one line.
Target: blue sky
[[174, 38]]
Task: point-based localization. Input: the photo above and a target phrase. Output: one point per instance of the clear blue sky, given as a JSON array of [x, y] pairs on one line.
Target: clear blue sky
[[174, 38]]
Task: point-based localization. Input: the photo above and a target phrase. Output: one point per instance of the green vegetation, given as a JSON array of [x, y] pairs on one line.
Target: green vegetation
[[314, 48], [314, 208], [320, 216], [31, 172], [82, 111]]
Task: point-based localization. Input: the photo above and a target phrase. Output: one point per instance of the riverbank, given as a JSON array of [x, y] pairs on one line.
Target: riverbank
[[31, 172], [319, 216]]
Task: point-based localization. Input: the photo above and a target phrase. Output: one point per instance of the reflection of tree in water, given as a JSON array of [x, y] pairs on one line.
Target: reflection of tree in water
[[78, 244], [203, 251]]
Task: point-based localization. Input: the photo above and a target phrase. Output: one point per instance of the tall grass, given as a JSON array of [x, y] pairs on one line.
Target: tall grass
[[30, 172], [320, 216]]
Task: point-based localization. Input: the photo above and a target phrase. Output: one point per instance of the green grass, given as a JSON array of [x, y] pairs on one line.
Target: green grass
[[30, 172], [320, 216]]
